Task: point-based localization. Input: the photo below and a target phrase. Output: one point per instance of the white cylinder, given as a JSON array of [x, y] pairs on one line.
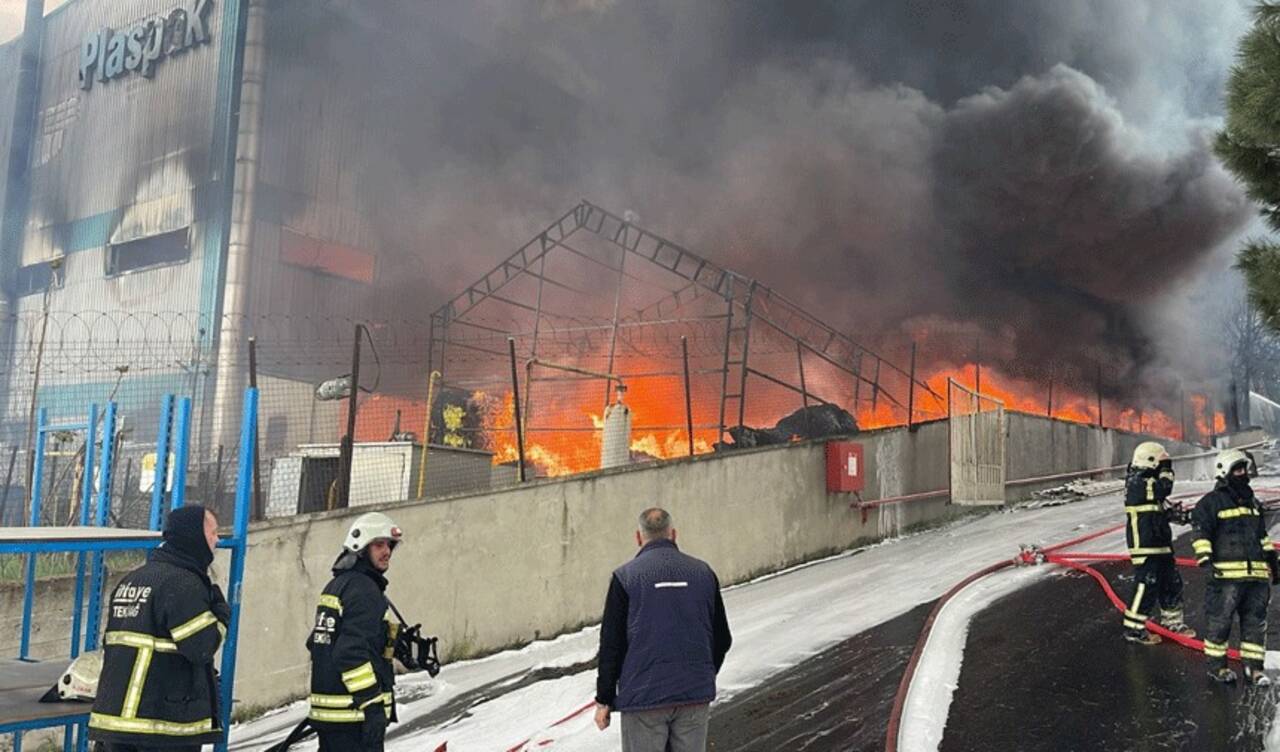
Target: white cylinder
[[615, 450]]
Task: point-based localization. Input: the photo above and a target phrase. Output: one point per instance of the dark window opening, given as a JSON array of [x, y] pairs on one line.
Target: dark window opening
[[148, 253], [36, 278]]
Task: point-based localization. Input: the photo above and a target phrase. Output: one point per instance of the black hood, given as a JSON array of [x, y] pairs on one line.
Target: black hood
[[184, 537]]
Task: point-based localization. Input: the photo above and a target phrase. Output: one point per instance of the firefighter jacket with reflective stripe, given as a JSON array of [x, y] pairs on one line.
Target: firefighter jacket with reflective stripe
[[1146, 494], [158, 686], [351, 646], [1231, 534]]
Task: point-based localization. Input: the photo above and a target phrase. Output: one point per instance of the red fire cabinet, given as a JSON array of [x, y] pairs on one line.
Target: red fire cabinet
[[846, 472]]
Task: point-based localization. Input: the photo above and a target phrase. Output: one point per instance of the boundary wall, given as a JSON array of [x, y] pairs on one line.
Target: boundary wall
[[499, 569]]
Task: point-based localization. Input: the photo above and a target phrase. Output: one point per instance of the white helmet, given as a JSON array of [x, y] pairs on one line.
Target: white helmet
[[1227, 461], [79, 681], [1148, 455], [370, 527]]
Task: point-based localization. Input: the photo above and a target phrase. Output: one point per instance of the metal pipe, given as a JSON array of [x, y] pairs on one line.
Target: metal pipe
[[22, 136], [258, 510], [515, 405], [242, 172]]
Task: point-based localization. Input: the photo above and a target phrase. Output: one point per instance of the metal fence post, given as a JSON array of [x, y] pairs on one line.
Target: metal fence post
[[36, 488], [515, 403], [688, 393], [235, 580], [911, 390]]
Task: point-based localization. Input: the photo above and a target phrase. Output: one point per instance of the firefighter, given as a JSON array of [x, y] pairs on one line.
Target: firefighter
[[1155, 575], [165, 621], [352, 642], [1231, 539]]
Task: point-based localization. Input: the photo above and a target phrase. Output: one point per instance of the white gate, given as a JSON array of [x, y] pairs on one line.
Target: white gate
[[977, 447]]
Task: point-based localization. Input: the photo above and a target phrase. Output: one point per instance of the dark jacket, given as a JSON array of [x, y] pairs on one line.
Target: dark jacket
[[1231, 534], [664, 634], [157, 686], [1146, 495], [351, 648]]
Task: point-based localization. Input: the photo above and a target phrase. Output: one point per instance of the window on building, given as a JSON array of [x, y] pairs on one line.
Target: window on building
[[148, 253], [34, 279]]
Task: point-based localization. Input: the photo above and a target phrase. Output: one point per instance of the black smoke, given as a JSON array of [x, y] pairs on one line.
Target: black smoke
[[1034, 173]]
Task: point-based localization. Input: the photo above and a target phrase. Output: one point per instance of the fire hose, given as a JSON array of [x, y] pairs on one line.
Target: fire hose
[[1054, 554]]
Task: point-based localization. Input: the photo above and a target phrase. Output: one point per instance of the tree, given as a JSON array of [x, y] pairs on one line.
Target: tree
[[1249, 146]]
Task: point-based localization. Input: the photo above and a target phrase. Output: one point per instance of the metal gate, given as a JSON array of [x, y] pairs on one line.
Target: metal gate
[[977, 446]]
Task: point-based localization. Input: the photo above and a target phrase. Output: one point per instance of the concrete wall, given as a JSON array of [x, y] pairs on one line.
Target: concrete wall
[[502, 568], [1037, 447], [507, 567], [51, 623]]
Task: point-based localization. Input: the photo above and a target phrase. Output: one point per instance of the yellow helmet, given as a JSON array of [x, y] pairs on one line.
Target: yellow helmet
[[1148, 455], [1228, 460]]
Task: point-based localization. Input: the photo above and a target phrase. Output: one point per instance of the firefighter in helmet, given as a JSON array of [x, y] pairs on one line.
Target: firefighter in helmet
[[1148, 483], [351, 643], [1231, 540]]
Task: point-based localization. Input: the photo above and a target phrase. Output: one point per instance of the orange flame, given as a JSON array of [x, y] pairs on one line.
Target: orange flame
[[564, 429]]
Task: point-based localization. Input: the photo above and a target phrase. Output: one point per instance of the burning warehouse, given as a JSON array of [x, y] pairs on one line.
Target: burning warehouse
[[185, 174]]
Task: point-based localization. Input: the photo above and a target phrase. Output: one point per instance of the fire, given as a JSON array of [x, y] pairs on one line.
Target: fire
[[563, 427]]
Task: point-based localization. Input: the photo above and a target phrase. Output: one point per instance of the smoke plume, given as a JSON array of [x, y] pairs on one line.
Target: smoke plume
[[1036, 174]]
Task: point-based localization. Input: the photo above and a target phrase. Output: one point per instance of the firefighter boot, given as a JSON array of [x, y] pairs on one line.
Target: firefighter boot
[[1222, 675], [1141, 637], [1255, 677], [1180, 628]]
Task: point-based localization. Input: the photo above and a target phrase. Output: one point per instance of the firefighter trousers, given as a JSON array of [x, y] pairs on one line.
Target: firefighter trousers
[[1224, 600], [1155, 582]]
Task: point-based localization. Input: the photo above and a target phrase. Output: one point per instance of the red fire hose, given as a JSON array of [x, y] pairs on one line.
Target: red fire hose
[[1053, 555]]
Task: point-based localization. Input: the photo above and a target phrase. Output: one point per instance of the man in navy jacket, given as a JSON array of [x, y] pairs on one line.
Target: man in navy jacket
[[663, 639]]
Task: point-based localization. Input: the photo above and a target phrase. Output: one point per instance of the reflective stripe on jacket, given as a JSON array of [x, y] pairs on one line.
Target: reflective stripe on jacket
[[351, 645], [157, 686]]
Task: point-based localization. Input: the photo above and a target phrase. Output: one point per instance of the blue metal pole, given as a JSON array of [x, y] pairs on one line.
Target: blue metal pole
[[104, 506], [37, 487], [162, 462], [183, 429], [86, 498], [239, 539]]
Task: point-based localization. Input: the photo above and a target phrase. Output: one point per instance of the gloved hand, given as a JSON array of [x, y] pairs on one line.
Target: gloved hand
[[218, 605], [1165, 465], [374, 728]]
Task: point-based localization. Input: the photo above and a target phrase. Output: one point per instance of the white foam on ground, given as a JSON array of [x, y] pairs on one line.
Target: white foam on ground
[[777, 621], [928, 703]]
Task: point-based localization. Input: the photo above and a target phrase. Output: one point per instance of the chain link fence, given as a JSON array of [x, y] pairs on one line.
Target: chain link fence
[[504, 408]]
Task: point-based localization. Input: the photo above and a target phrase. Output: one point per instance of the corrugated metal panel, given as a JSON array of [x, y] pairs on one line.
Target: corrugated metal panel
[[126, 157]]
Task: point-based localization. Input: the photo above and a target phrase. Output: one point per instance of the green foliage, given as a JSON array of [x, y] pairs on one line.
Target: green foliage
[[1249, 146], [1260, 262]]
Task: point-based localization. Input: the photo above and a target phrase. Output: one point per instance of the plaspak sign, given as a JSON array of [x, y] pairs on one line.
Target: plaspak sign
[[108, 54]]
